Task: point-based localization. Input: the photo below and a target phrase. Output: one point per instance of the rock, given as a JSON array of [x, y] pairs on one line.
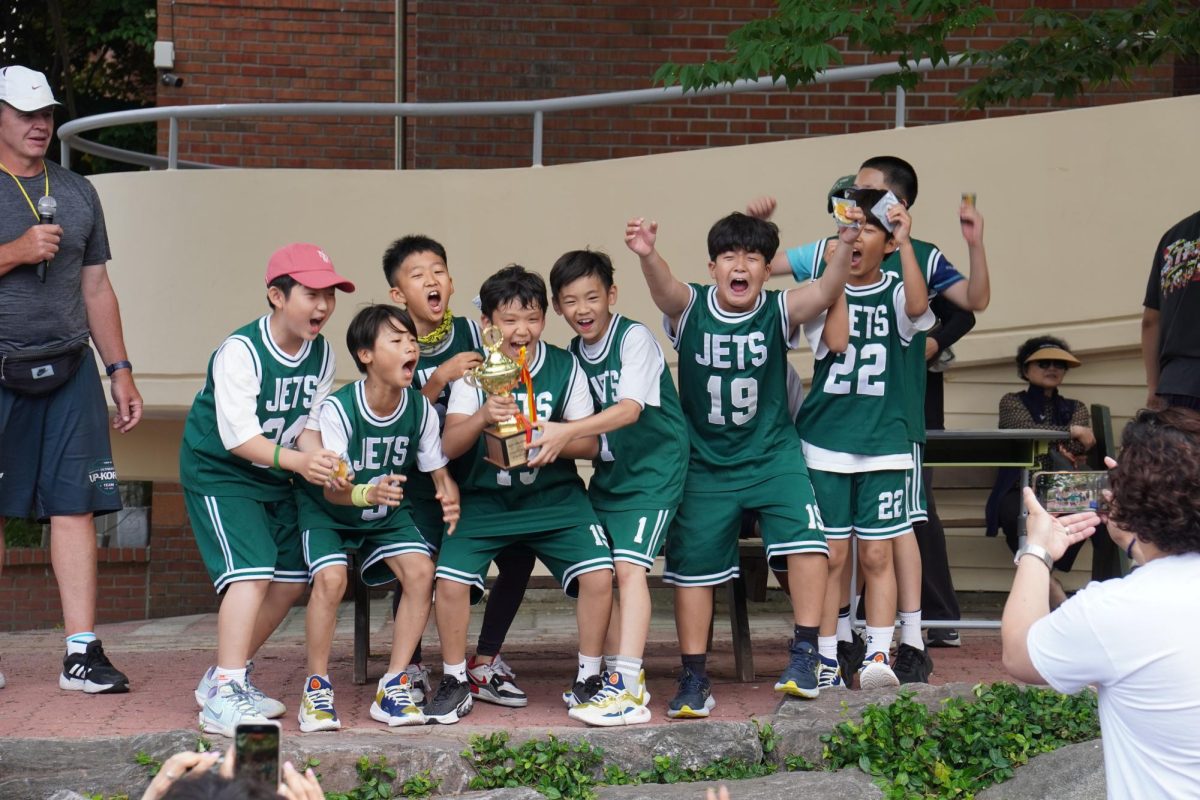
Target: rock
[[800, 724], [846, 784], [692, 745], [66, 794], [521, 793], [1073, 772]]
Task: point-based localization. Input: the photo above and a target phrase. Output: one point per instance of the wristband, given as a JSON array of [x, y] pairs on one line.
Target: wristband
[[116, 365], [277, 449], [1035, 550], [358, 495]]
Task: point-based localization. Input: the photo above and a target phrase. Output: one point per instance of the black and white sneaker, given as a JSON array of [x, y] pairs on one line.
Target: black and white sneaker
[[492, 684], [451, 703], [92, 672], [583, 691]]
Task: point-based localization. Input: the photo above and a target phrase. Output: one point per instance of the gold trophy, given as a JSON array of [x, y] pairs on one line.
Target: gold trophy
[[498, 374]]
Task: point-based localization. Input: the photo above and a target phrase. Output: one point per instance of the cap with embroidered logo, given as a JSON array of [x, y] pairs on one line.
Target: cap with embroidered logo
[[309, 265], [25, 89]]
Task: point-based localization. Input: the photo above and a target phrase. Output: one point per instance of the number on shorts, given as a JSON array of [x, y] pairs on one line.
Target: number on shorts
[[891, 504], [743, 397], [598, 533], [641, 530], [814, 517]]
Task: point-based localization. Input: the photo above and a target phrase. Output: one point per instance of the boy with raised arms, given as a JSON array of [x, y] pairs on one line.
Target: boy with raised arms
[[733, 337], [386, 431], [417, 272], [896, 175], [639, 472], [249, 432], [544, 508], [852, 424]]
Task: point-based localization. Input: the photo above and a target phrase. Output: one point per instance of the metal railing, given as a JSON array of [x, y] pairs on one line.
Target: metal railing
[[71, 134]]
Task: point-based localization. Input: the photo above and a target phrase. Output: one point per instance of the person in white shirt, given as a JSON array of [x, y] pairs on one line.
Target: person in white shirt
[[1123, 636]]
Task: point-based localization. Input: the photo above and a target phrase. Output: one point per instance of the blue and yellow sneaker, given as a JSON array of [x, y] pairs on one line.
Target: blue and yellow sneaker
[[876, 673], [829, 674], [800, 677], [394, 703], [612, 706], [693, 699], [316, 706]]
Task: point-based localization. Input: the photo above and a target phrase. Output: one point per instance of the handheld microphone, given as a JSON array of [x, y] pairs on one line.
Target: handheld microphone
[[46, 208]]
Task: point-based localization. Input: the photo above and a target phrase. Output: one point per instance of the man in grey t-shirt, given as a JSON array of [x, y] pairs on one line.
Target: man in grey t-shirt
[[55, 456]]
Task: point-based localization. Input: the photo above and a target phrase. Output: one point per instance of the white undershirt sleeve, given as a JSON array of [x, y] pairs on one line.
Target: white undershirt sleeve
[[236, 386], [579, 399], [429, 451], [464, 399], [324, 384], [642, 365]]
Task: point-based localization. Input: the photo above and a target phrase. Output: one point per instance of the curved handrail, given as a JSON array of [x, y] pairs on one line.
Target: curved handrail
[[71, 134]]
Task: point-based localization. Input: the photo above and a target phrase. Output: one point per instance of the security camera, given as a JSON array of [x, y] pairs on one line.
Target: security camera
[[172, 80]]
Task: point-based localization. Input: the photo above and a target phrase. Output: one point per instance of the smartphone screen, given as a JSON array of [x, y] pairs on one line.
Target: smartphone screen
[[256, 752], [1069, 492]]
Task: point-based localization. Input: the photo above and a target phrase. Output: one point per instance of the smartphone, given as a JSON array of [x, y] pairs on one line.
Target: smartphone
[[256, 752], [1069, 492]]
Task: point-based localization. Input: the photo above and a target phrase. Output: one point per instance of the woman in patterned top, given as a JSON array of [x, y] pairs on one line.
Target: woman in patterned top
[[1042, 362]]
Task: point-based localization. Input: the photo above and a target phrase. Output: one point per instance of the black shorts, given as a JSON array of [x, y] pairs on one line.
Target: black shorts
[[55, 455]]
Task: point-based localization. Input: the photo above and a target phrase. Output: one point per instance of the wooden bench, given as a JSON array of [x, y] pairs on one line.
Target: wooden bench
[[752, 584]]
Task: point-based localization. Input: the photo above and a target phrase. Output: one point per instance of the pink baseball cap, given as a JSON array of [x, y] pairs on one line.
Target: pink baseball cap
[[308, 264]]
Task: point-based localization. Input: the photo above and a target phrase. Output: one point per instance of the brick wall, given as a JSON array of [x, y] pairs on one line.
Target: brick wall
[[179, 583], [29, 593], [489, 50]]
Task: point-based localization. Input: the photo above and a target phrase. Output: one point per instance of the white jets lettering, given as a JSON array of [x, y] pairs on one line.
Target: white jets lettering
[[545, 403], [606, 385], [293, 392], [874, 319], [382, 452], [733, 351]]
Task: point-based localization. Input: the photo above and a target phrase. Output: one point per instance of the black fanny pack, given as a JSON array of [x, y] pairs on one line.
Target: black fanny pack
[[43, 372]]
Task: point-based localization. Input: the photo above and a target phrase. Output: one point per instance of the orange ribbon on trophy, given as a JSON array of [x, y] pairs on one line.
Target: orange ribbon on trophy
[[525, 421]]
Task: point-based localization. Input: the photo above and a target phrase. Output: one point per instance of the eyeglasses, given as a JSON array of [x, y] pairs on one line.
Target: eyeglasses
[[1051, 364]]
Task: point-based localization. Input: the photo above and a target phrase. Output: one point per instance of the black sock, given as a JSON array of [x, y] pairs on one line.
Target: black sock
[[696, 664], [844, 611], [805, 633]]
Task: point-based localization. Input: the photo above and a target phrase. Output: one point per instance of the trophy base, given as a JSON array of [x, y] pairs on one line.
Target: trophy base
[[505, 450]]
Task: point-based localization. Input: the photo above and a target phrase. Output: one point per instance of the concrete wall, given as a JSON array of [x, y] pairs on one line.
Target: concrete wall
[[1074, 201]]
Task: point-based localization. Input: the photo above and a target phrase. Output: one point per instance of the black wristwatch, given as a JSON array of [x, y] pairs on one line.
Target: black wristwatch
[[116, 365]]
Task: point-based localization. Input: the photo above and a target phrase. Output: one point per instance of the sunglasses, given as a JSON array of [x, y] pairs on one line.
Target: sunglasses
[[1051, 364]]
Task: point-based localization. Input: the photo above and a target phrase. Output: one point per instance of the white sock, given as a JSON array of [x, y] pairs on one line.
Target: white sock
[[844, 631], [77, 642], [612, 663], [827, 647], [588, 666], [224, 675], [388, 677], [879, 640], [458, 671], [910, 629], [630, 669]]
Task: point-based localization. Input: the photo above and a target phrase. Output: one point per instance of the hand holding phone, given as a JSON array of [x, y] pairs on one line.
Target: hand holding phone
[[1071, 492], [256, 752]]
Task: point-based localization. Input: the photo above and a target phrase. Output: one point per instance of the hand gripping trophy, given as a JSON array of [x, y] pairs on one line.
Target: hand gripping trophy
[[499, 374]]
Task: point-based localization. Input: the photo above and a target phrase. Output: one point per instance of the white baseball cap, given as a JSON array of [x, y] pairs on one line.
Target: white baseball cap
[[25, 89]]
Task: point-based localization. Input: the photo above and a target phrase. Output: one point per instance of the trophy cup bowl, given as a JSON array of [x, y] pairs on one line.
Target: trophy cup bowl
[[498, 375]]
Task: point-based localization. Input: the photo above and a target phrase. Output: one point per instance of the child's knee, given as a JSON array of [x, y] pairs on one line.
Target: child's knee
[[839, 550], [595, 583], [329, 582], [875, 557], [414, 572], [453, 591], [630, 575]]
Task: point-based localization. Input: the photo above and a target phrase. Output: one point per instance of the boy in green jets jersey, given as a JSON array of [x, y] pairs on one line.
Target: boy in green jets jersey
[[853, 427], [733, 338], [387, 432], [544, 508], [249, 432], [639, 471], [417, 271]]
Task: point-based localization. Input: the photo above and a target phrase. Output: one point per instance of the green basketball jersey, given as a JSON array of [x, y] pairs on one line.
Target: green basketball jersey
[[915, 370], [642, 465], [287, 389], [858, 400], [733, 391], [375, 446], [463, 337], [526, 500]]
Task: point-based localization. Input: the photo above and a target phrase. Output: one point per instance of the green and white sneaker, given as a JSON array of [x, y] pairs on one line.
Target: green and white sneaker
[[394, 703], [227, 706], [316, 706]]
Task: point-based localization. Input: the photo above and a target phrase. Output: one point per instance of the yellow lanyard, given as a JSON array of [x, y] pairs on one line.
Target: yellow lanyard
[[21, 186]]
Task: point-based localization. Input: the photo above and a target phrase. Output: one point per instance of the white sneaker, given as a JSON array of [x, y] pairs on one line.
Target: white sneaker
[[394, 703], [418, 677], [268, 707], [316, 707], [3, 682], [876, 673], [227, 707], [495, 683], [612, 706]]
